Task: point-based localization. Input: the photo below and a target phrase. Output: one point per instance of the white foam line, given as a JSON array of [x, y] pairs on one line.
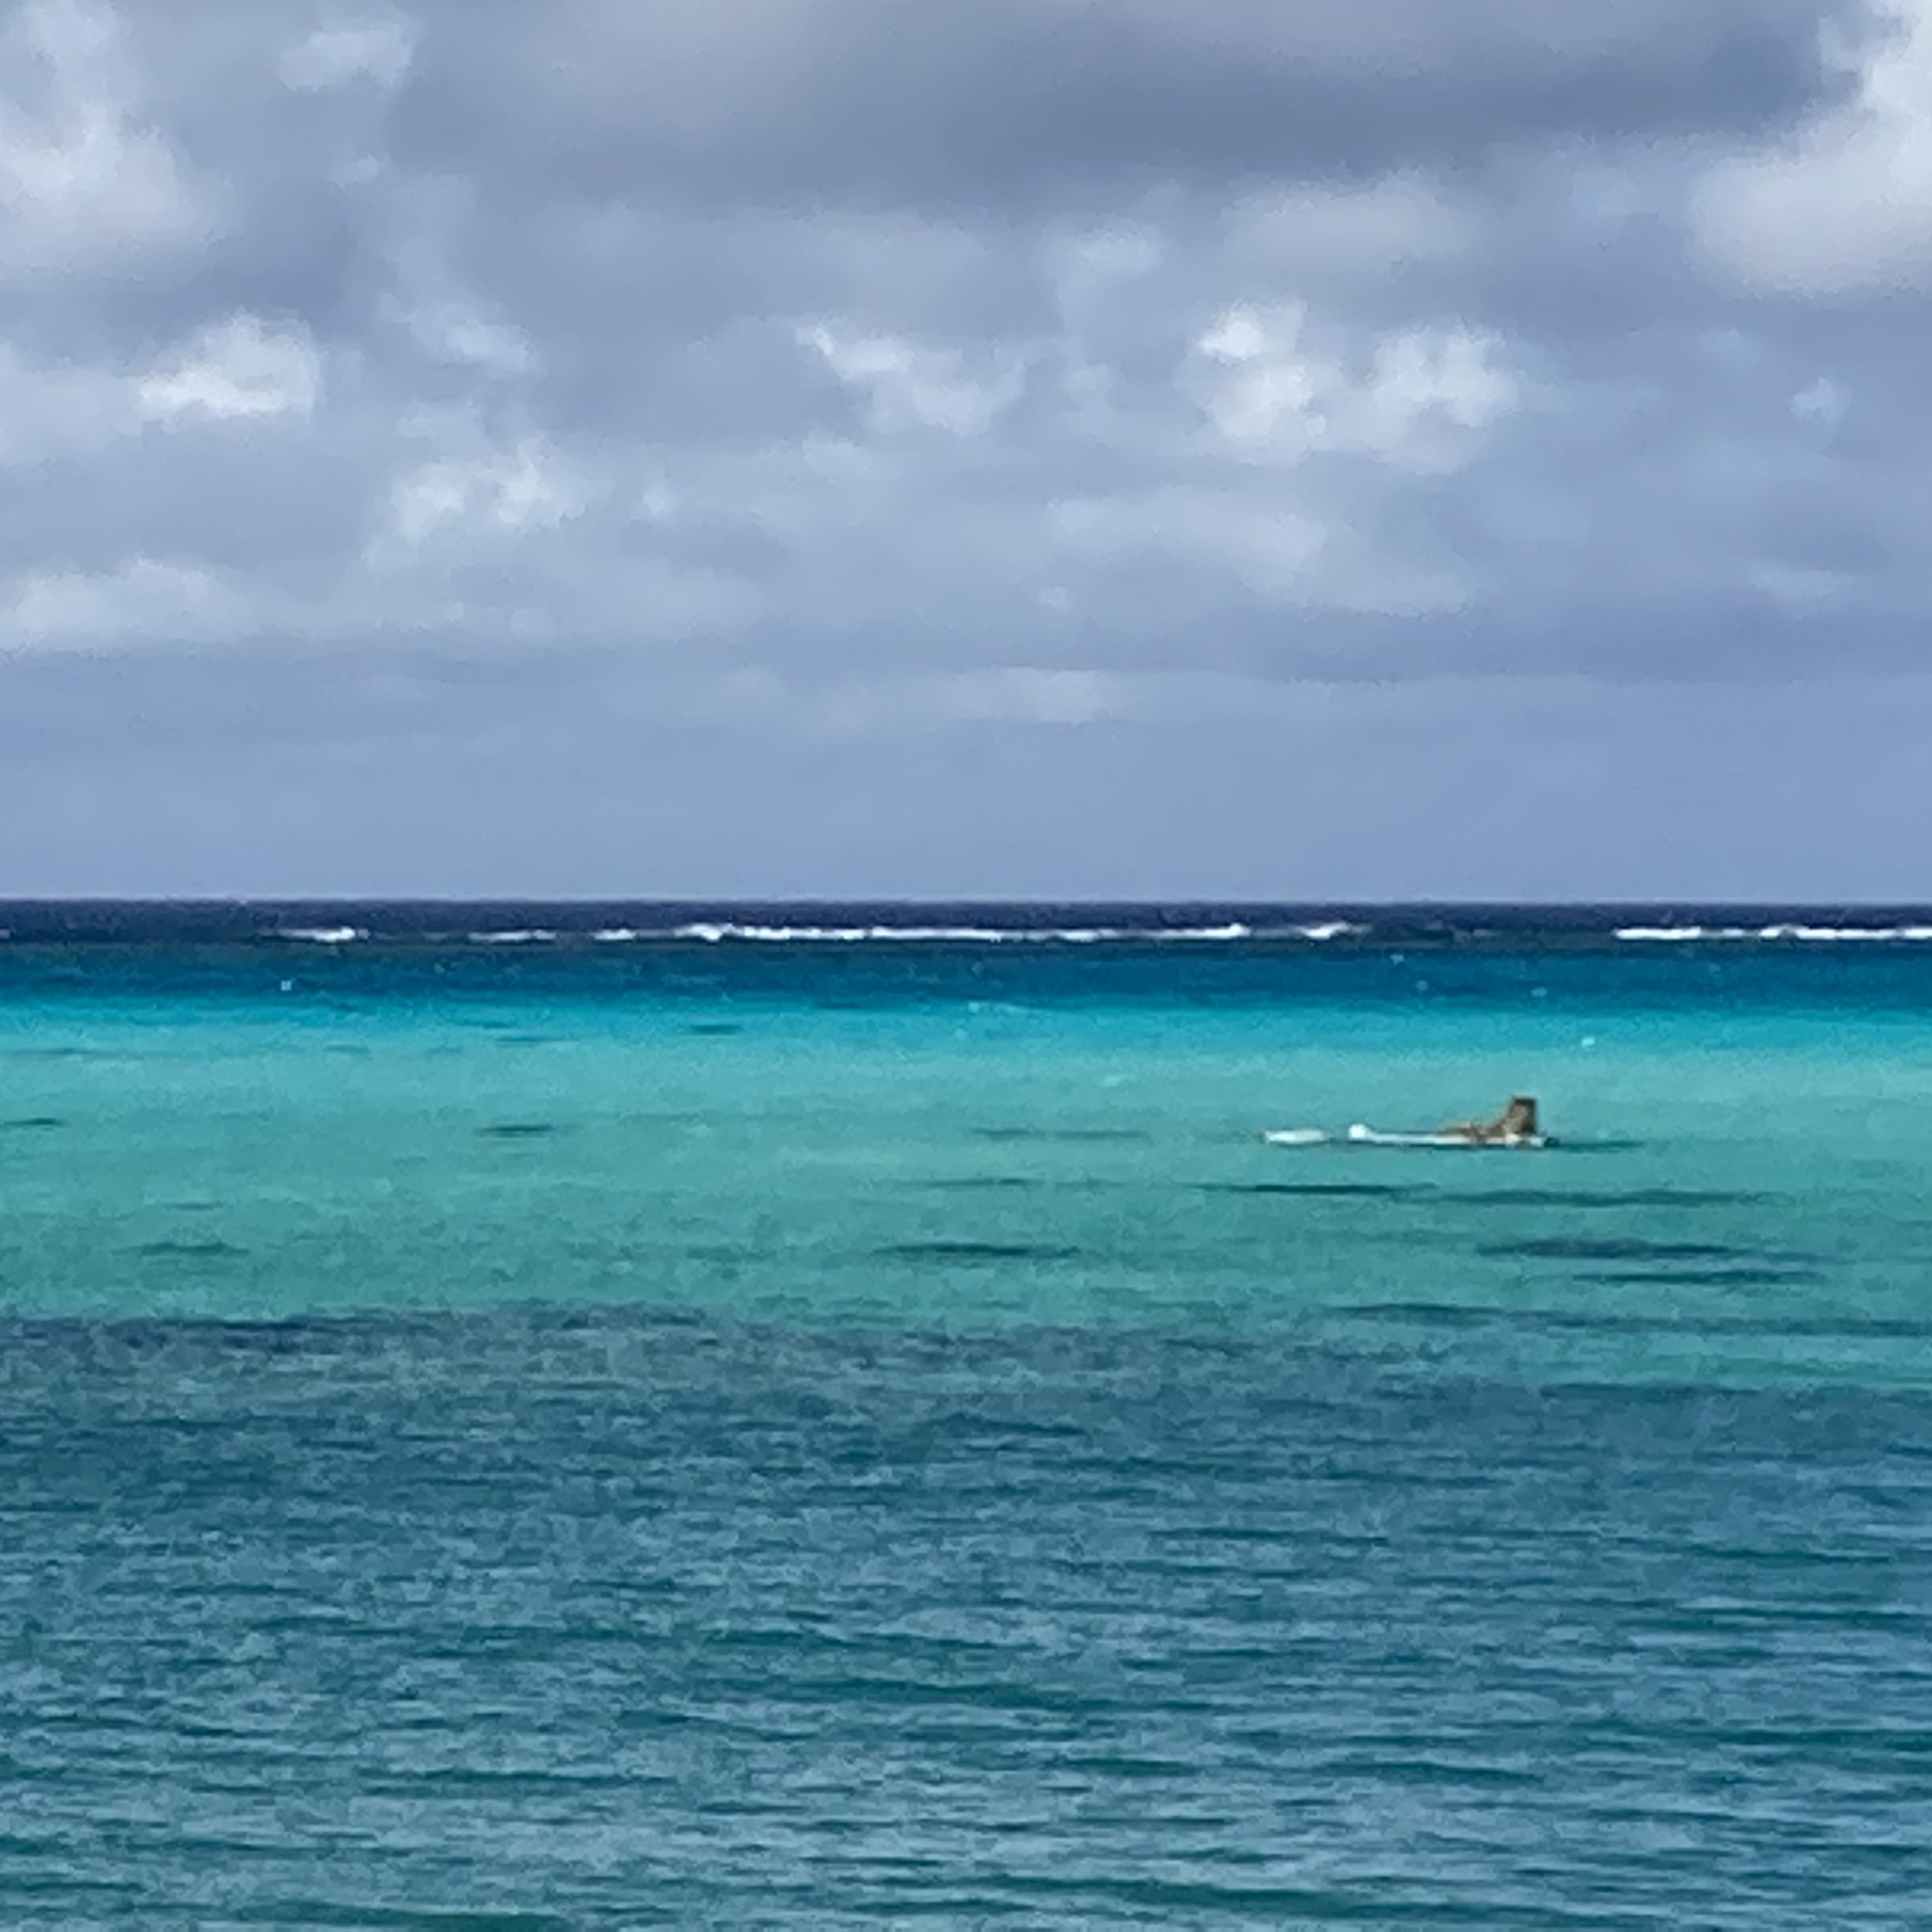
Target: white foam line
[[715, 933], [1813, 935]]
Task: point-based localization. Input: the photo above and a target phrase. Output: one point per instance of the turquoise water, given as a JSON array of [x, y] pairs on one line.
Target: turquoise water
[[815, 1433]]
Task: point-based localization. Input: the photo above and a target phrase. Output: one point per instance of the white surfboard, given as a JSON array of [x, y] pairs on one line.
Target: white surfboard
[[1360, 1135]]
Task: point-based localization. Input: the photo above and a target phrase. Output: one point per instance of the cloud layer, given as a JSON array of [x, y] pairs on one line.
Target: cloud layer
[[1044, 376]]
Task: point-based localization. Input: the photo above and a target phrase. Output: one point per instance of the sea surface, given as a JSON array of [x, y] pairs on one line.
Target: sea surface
[[537, 1417]]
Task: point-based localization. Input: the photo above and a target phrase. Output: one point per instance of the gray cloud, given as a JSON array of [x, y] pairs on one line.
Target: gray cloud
[[958, 102], [386, 390]]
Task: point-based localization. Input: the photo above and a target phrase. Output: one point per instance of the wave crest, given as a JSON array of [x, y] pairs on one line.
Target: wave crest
[[1813, 935]]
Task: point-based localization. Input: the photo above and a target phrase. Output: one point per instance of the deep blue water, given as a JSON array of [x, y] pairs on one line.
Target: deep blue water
[[808, 1431]]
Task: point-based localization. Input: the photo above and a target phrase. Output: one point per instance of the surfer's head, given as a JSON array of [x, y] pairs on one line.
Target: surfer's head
[[1519, 1117]]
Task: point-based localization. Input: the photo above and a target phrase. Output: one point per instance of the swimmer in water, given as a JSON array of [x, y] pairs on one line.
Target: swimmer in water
[[1516, 1125]]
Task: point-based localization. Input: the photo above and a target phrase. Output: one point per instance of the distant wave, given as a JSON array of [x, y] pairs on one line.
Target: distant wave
[[725, 931], [1654, 935], [1065, 928], [719, 932]]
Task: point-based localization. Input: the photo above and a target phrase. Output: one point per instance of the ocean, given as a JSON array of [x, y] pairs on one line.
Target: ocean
[[521, 1417]]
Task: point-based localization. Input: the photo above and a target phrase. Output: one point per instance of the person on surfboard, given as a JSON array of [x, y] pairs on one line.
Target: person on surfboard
[[1516, 1125]]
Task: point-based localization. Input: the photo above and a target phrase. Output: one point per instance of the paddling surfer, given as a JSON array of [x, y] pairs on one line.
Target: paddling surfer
[[1516, 1125]]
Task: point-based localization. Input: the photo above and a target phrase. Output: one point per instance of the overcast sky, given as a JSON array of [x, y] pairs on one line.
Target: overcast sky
[[1083, 447]]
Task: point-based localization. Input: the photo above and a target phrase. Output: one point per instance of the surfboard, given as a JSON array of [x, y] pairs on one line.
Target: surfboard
[[1359, 1136]]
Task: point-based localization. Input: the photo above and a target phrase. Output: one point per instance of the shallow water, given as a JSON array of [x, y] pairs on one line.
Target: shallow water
[[687, 1431]]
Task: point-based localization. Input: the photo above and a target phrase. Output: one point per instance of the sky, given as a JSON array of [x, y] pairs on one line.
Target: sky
[[1074, 448]]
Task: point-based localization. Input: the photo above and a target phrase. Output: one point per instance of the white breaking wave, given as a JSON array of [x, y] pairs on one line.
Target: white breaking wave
[[1809, 935], [721, 931], [323, 935], [718, 932], [835, 935], [1660, 934], [852, 935], [1917, 934]]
